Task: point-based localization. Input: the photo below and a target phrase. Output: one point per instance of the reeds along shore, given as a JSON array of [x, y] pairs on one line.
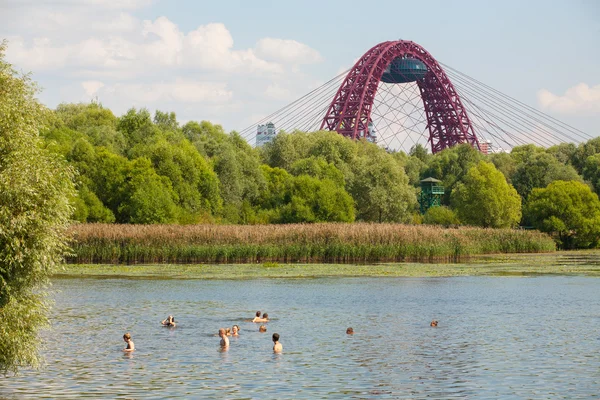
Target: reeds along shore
[[330, 242]]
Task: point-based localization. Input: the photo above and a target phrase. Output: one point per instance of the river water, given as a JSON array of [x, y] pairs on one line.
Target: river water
[[498, 337]]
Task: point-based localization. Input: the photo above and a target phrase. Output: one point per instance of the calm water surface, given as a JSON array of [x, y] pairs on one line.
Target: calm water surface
[[498, 337]]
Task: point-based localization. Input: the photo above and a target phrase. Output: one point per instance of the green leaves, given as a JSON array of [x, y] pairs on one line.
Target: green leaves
[[569, 211], [484, 198], [35, 188]]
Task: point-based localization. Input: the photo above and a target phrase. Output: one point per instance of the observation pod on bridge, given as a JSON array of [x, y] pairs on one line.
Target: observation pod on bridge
[[400, 62]]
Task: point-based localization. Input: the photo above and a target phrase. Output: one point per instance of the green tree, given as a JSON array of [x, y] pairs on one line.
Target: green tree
[[314, 200], [538, 170], [35, 187], [380, 187], [591, 171], [584, 150], [504, 163], [484, 198], [149, 197], [440, 216], [419, 151], [569, 211], [450, 165]]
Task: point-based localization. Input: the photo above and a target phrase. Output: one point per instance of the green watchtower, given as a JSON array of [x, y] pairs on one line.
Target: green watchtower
[[431, 194]]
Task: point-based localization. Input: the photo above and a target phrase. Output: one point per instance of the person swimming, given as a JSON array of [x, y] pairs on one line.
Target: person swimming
[[350, 331], [169, 321], [224, 339], [257, 317], [277, 347], [262, 328], [235, 330], [228, 332], [433, 323], [130, 346], [265, 318]]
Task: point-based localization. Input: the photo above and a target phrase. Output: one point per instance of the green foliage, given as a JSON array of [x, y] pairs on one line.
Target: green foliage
[[380, 187], [286, 149], [195, 184], [484, 198], [150, 196], [235, 163], [35, 188], [569, 211], [585, 150], [538, 170], [504, 163], [440, 216], [591, 171], [420, 152], [303, 199], [318, 167], [451, 165]]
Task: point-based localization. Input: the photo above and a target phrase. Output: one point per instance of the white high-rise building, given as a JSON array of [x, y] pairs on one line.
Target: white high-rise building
[[265, 134]]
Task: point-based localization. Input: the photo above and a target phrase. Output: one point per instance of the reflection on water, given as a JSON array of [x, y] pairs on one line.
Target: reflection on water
[[497, 337]]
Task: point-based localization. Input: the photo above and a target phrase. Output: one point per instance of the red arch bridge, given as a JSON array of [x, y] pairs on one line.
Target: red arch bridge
[[398, 95]]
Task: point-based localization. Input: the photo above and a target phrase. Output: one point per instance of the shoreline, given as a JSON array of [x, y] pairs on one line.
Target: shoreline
[[581, 262]]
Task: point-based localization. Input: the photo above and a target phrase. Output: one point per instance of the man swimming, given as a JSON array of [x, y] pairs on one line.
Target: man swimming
[[170, 321], [433, 323], [224, 338], [277, 347], [350, 331], [130, 346], [262, 328]]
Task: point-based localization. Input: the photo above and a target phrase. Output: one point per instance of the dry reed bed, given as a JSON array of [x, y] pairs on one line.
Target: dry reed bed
[[330, 242]]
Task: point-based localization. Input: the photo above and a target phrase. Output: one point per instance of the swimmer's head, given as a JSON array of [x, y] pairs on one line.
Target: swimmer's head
[[433, 323], [235, 328], [265, 316], [221, 332], [258, 314], [350, 331], [262, 328], [276, 337], [127, 337], [228, 331]]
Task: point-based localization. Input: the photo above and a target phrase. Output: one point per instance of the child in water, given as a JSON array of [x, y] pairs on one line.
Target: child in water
[[277, 347], [170, 321], [257, 317], [130, 346], [224, 339]]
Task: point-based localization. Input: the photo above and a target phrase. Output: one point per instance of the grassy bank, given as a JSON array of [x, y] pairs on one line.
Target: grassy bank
[[329, 243], [558, 263]]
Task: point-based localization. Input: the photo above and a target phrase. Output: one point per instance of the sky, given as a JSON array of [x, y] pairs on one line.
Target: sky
[[235, 62]]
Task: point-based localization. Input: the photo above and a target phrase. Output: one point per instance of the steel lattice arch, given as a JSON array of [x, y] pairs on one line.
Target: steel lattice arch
[[397, 95], [350, 111]]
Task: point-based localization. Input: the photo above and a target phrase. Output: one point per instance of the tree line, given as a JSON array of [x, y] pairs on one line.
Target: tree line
[[139, 168]]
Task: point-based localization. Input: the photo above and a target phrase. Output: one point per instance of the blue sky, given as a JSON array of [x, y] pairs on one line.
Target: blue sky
[[233, 62]]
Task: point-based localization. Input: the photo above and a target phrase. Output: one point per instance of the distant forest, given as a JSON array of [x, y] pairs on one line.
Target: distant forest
[[144, 169]]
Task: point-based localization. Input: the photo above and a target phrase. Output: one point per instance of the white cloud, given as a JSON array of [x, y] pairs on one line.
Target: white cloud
[[110, 4], [580, 99], [91, 87], [287, 51], [275, 91], [85, 49], [159, 43], [180, 90]]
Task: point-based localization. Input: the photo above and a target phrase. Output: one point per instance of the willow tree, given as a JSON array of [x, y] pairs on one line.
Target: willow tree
[[35, 187]]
